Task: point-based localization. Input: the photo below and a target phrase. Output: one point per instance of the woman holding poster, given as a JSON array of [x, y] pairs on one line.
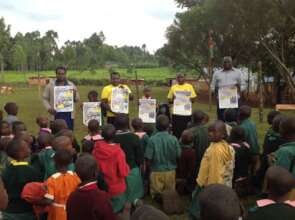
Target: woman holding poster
[[181, 95], [115, 98]]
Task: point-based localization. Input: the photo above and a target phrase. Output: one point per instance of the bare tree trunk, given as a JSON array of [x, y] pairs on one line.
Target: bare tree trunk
[[2, 72]]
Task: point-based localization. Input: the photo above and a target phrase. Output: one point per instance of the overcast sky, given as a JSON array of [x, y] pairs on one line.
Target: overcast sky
[[124, 22]]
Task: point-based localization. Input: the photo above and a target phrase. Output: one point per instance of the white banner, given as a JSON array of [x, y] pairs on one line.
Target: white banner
[[228, 97], [91, 110], [63, 98], [182, 104], [147, 110], [120, 100]]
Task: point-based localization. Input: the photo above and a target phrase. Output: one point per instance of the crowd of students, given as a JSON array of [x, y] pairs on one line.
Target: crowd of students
[[50, 176]]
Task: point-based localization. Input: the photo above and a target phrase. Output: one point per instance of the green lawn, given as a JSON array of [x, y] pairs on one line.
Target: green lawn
[[30, 107]]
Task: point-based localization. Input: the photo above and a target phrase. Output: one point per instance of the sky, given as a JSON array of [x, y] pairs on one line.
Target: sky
[[123, 22]]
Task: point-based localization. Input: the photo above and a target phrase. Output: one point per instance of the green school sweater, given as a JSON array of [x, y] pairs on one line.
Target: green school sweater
[[251, 135]]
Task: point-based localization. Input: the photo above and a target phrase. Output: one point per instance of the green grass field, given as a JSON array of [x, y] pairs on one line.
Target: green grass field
[[30, 106]]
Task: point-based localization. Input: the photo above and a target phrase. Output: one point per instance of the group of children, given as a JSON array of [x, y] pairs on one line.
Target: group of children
[[51, 176]]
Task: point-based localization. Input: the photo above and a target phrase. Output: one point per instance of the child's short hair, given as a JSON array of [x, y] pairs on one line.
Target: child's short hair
[[287, 128], [164, 109], [92, 93], [93, 126], [219, 202], [63, 157], [187, 137], [60, 68], [58, 125], [18, 126], [237, 134], [86, 167], [244, 112], [198, 116], [108, 132], [279, 181], [271, 115], [137, 124], [230, 115], [14, 147], [87, 146], [61, 142], [162, 123], [42, 121], [10, 108], [277, 121], [45, 140], [220, 126], [122, 121]]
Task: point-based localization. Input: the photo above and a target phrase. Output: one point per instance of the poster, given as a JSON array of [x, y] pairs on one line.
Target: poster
[[228, 97], [91, 110], [182, 104], [147, 110], [63, 98], [120, 100]]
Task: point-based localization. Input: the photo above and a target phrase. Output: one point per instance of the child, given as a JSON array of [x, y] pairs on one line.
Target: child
[[285, 155], [43, 123], [131, 145], [87, 146], [137, 126], [112, 162], [44, 141], [5, 131], [60, 185], [88, 201], [92, 96], [69, 133], [147, 92], [93, 131], [11, 110], [277, 206], [231, 119], [58, 125], [162, 153], [219, 202], [18, 127], [15, 177]]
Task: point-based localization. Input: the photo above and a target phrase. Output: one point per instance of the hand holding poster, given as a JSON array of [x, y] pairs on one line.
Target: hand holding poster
[[228, 97], [182, 104], [63, 98], [147, 110], [91, 110], [120, 100]]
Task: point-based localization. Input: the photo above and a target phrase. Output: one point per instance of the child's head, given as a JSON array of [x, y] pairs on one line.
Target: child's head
[[164, 109], [277, 121], [137, 124], [198, 117], [271, 115], [219, 202], [18, 127], [66, 132], [147, 91], [108, 132], [148, 129], [287, 129], [187, 137], [45, 140], [122, 122], [237, 135], [42, 121], [244, 112], [11, 108], [5, 129], [62, 142], [18, 149], [93, 126], [92, 96], [231, 115], [63, 158], [206, 119], [58, 125], [217, 131], [279, 182], [25, 135], [162, 123], [87, 146], [86, 168]]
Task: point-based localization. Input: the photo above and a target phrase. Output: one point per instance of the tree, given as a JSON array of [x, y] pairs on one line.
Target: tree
[[18, 57], [4, 43]]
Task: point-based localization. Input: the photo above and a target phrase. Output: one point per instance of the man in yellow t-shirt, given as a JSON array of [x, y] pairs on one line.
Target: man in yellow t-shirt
[[184, 91], [106, 96]]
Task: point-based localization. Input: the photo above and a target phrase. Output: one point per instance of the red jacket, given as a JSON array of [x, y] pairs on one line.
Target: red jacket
[[112, 162]]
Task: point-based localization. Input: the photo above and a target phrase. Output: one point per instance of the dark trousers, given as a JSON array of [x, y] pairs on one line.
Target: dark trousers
[[220, 112], [179, 124], [111, 120], [67, 116]]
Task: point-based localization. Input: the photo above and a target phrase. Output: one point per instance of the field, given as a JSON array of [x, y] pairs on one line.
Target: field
[[30, 106]]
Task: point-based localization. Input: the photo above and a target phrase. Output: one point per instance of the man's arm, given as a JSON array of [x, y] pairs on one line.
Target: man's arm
[[46, 100]]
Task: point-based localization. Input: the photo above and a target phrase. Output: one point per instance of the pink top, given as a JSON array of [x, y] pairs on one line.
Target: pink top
[[140, 134], [96, 137], [266, 202]]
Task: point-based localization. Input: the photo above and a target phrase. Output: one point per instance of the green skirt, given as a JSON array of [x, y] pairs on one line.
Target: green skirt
[[194, 209], [18, 216], [134, 185]]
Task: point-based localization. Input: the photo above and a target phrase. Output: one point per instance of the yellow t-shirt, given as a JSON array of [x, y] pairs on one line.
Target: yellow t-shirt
[[107, 94], [185, 87]]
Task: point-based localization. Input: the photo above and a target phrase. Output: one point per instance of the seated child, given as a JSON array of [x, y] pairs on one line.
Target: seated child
[[93, 131], [87, 146], [277, 206], [69, 133], [45, 141], [88, 201], [219, 202], [11, 109], [112, 162], [58, 125], [5, 130], [43, 123], [60, 185], [18, 127], [15, 177], [231, 119], [162, 153]]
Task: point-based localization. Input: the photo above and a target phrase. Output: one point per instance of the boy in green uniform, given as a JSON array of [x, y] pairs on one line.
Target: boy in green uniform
[[162, 153], [15, 177]]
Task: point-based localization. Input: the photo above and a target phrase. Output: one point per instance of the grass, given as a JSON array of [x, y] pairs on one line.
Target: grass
[[30, 106]]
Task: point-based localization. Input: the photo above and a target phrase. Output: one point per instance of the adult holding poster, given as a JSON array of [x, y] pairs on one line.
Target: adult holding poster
[[115, 98], [59, 96], [227, 84], [181, 95]]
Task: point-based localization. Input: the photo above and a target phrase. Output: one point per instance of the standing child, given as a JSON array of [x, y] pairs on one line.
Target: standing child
[[137, 126], [88, 201], [60, 185], [147, 92], [11, 110], [43, 124], [93, 131], [162, 153], [112, 162], [15, 177]]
